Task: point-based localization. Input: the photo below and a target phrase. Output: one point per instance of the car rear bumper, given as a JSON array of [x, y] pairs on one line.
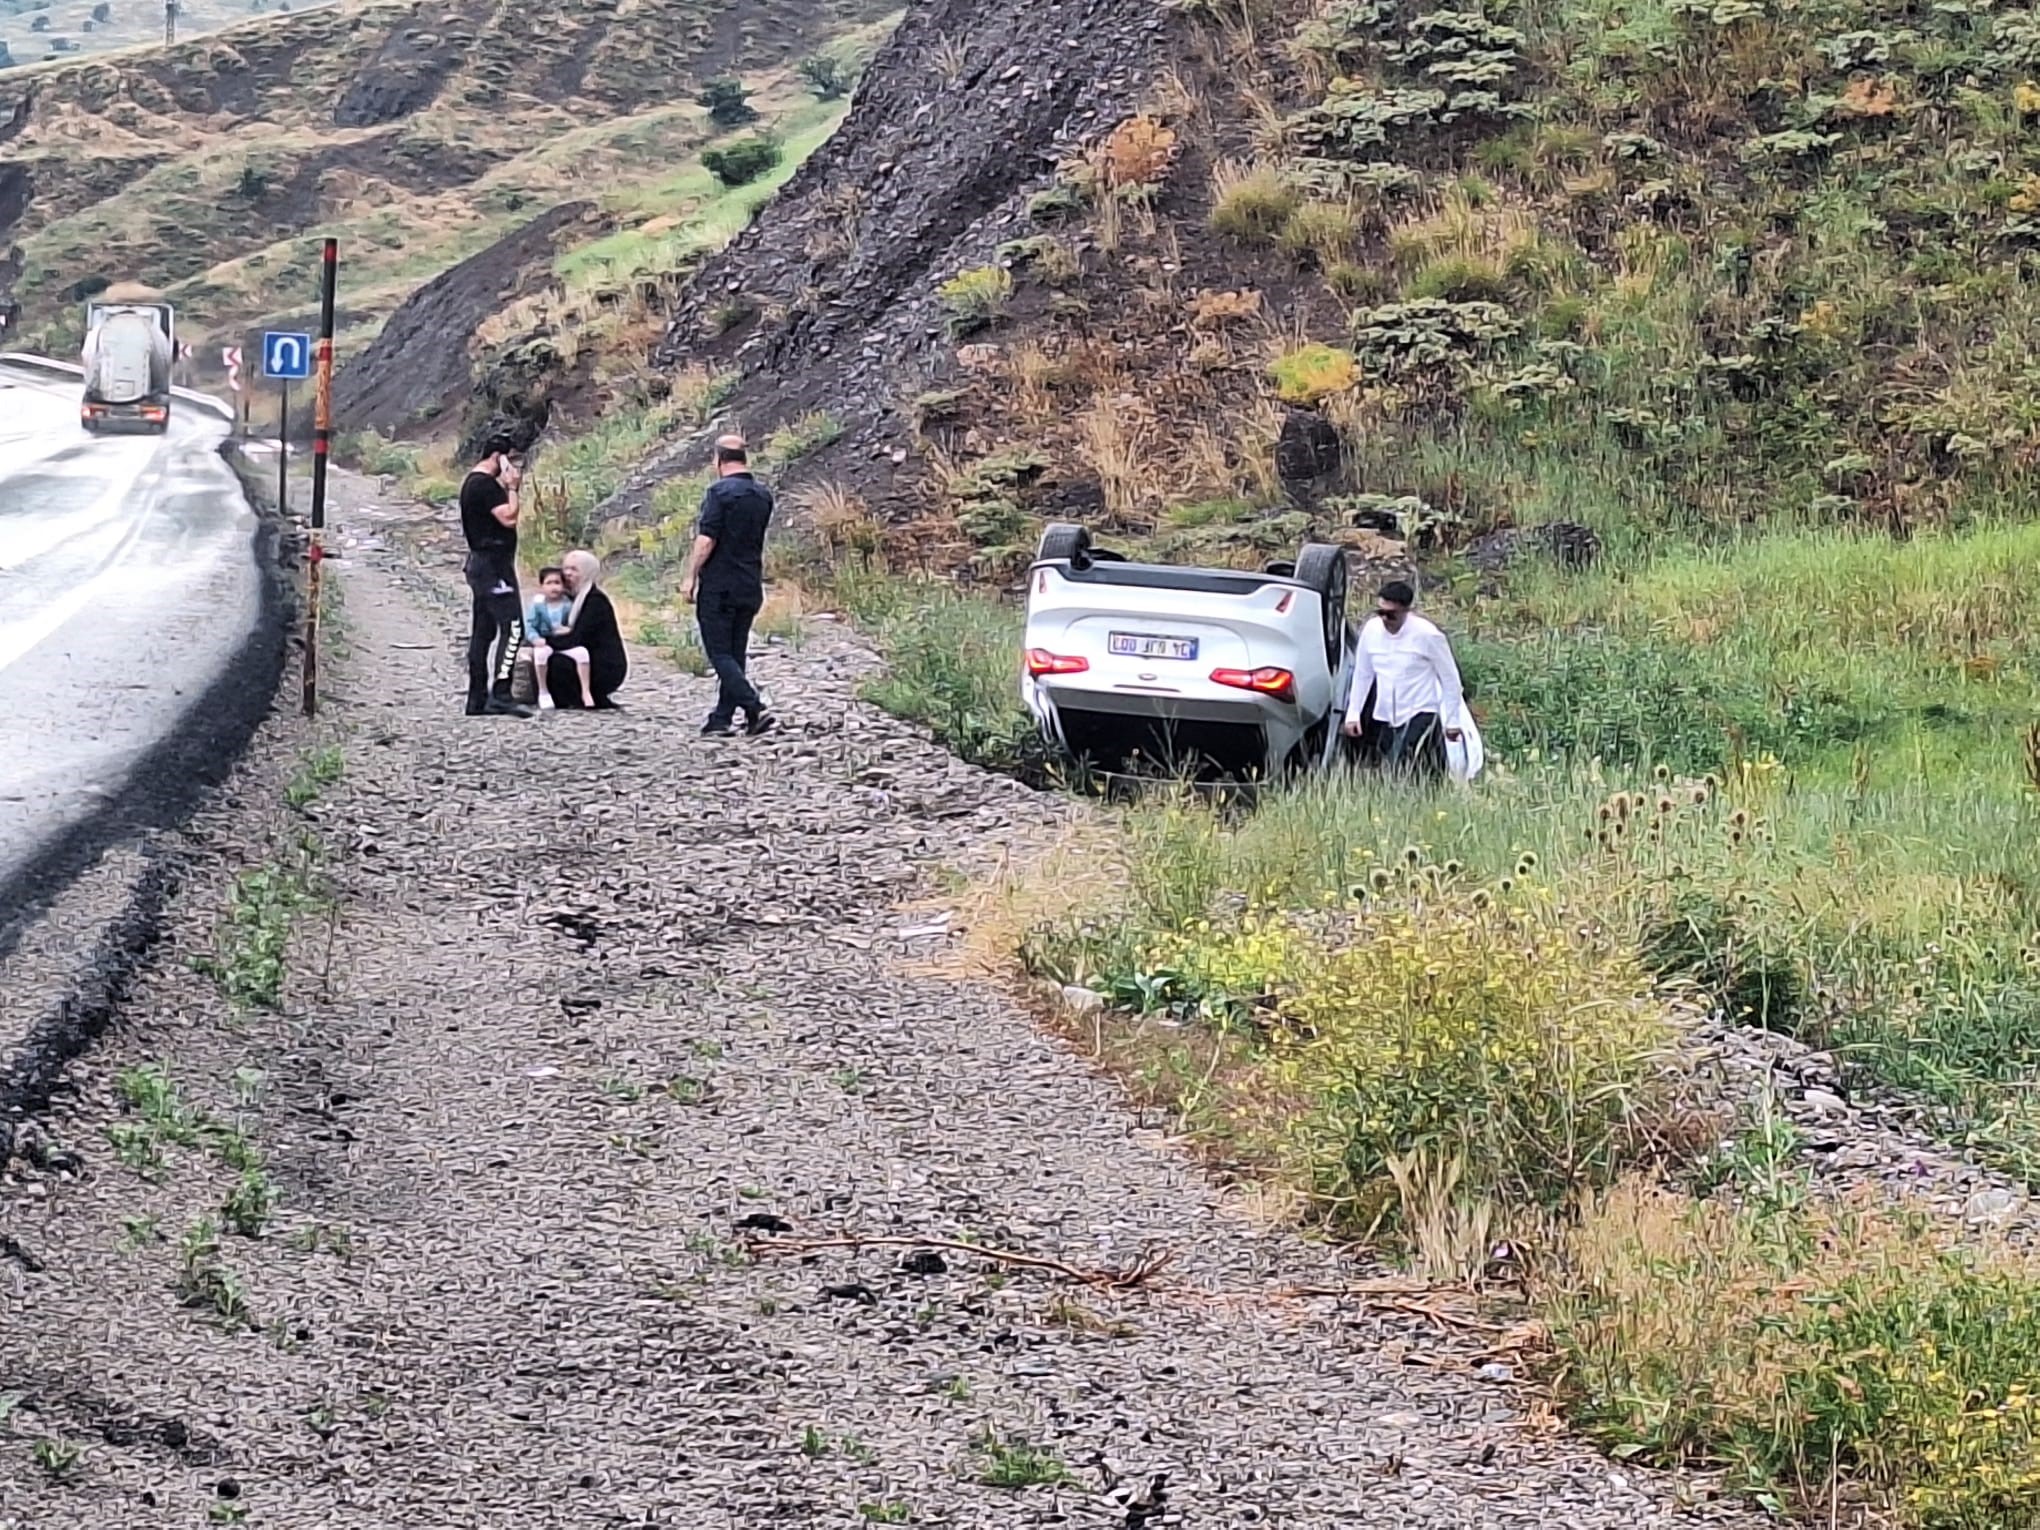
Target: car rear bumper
[[1212, 704]]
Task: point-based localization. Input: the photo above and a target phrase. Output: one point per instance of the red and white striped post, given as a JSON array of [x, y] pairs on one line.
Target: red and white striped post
[[322, 437]]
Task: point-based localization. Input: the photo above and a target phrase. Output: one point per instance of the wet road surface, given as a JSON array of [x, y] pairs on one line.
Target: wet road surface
[[128, 588]]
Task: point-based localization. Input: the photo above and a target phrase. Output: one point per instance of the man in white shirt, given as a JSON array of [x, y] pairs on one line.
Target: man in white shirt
[[1419, 702]]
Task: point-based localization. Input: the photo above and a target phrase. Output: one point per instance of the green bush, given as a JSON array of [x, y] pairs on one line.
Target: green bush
[[827, 77], [743, 161], [1433, 1022], [976, 297], [728, 100]]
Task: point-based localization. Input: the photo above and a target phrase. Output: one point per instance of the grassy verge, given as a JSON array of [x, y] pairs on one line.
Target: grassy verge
[[952, 665]]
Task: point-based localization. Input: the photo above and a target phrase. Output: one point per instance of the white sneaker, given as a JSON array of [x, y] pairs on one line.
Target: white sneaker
[[545, 701]]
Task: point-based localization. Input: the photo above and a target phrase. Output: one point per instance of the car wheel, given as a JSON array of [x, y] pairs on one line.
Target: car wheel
[[1063, 542], [1323, 567]]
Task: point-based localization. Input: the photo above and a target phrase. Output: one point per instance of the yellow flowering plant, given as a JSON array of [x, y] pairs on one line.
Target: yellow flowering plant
[[1438, 1017]]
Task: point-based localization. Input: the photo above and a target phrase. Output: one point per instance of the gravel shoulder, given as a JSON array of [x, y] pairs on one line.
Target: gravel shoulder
[[579, 997]]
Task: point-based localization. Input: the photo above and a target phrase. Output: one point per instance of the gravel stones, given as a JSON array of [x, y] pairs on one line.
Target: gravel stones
[[509, 1281]]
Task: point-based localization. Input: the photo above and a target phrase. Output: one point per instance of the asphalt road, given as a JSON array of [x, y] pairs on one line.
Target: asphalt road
[[129, 591]]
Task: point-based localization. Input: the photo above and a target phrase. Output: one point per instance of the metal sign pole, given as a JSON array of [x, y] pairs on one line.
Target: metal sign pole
[[283, 452], [322, 432]]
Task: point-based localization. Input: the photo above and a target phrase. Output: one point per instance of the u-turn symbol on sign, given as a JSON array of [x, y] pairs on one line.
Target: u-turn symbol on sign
[[286, 357]]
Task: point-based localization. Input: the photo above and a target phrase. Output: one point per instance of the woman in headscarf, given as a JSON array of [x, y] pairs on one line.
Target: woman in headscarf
[[591, 626]]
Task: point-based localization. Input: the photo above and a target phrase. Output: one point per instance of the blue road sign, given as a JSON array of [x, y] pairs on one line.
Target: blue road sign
[[286, 358]]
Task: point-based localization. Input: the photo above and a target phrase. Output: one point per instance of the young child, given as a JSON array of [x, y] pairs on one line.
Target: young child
[[546, 621]]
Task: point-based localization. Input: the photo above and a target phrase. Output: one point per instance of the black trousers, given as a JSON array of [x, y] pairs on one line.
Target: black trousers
[[498, 623], [726, 638], [1416, 748]]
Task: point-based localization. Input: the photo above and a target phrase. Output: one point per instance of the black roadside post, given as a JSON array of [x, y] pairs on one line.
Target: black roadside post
[[322, 431]]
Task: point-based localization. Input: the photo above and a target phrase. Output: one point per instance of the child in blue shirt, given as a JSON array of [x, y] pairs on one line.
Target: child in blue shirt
[[548, 619]]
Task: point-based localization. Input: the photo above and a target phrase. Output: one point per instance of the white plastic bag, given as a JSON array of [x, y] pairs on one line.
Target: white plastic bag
[[1465, 756]]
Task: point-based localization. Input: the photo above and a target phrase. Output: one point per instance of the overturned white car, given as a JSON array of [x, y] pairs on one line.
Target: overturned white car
[[1209, 673]]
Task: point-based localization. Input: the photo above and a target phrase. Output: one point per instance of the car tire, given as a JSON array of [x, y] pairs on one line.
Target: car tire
[[1322, 567], [1064, 542]]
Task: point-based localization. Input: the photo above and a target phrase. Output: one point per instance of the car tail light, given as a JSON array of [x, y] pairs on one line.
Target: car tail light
[[1269, 681], [1282, 605], [1041, 662]]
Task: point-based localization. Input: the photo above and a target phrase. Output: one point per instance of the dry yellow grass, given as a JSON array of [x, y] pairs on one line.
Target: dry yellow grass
[[842, 521], [1498, 234], [1073, 869], [1117, 437]]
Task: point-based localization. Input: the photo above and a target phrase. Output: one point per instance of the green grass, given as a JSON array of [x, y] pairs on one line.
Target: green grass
[[1015, 1463], [952, 664], [321, 768], [1814, 646], [1817, 1355], [714, 213]]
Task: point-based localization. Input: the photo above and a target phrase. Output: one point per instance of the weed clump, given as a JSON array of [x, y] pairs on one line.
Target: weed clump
[[1831, 1351], [1253, 205], [1435, 1018], [976, 297], [1310, 374]]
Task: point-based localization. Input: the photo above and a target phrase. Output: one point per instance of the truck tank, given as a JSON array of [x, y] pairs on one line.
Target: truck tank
[[127, 361]]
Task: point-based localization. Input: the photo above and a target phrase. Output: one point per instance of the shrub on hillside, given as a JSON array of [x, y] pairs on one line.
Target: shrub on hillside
[[742, 162], [1252, 205], [827, 77], [728, 100]]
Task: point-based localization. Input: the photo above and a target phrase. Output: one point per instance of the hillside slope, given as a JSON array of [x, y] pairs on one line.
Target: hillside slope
[[418, 132], [1639, 264]]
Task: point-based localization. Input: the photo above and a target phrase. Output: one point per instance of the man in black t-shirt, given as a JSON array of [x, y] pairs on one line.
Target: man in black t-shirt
[[488, 519], [726, 581]]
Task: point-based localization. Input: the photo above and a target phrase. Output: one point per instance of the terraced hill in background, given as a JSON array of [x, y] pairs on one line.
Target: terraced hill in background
[[419, 133]]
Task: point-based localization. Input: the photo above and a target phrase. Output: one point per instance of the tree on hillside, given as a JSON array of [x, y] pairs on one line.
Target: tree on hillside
[[826, 76], [743, 161], [728, 100], [102, 12]]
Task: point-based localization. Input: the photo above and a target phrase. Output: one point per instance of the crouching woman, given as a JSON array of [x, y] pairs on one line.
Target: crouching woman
[[590, 628]]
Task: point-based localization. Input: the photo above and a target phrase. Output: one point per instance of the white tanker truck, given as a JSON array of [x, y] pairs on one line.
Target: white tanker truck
[[128, 350]]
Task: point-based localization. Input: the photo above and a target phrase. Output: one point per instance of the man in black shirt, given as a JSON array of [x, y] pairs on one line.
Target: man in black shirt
[[726, 582], [488, 518]]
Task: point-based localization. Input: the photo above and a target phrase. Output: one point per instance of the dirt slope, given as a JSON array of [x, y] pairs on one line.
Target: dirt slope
[[419, 366], [828, 299]]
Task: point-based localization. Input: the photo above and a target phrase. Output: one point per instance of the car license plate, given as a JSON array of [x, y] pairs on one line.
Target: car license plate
[[1147, 645]]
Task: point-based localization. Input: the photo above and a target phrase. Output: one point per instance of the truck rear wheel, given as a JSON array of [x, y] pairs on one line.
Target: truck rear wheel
[[1322, 567]]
